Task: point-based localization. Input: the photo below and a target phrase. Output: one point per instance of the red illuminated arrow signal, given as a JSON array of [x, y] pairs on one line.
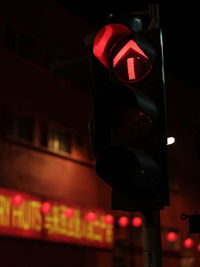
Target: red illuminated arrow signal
[[129, 62], [131, 68], [130, 45]]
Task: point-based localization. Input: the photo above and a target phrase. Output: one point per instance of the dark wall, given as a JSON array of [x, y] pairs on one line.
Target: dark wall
[[26, 253]]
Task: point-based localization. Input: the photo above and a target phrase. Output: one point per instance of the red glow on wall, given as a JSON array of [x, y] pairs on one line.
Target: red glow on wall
[[46, 207], [69, 213], [188, 243], [90, 216], [109, 219], [123, 221], [17, 199], [171, 236], [198, 247], [136, 222]]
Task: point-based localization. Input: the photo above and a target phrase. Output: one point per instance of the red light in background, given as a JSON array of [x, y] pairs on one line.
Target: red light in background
[[90, 216], [198, 247], [123, 221], [46, 207], [69, 213], [171, 236], [17, 200], [136, 222], [109, 219], [188, 243]]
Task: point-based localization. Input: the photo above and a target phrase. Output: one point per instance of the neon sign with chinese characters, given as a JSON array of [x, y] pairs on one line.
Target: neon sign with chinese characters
[[25, 215]]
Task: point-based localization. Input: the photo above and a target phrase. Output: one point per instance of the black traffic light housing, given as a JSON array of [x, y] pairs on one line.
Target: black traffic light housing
[[194, 223], [128, 124]]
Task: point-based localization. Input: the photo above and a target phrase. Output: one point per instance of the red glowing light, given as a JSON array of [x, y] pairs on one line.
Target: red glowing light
[[198, 247], [69, 212], [101, 42], [109, 219], [90, 216], [171, 237], [123, 221], [188, 243], [130, 45], [46, 207], [106, 39], [130, 63], [17, 200], [136, 222], [118, 51], [131, 68]]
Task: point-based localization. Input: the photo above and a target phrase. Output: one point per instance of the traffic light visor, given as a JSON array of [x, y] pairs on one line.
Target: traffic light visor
[[105, 39]]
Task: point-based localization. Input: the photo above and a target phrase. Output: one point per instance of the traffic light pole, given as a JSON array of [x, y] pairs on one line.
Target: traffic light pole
[[152, 238]]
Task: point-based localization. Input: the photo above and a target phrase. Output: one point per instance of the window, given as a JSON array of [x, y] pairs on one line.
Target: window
[[59, 141], [20, 126], [20, 43]]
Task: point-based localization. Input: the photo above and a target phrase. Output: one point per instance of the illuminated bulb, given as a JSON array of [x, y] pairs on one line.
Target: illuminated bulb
[[46, 207], [136, 222], [123, 221], [17, 200], [188, 243], [109, 219], [69, 212], [90, 216], [170, 140], [171, 237]]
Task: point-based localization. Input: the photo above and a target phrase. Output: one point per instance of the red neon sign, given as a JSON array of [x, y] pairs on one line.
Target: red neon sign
[[17, 199], [90, 216], [25, 215], [69, 212], [46, 207]]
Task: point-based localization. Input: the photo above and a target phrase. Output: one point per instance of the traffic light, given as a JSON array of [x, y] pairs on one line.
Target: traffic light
[[128, 122]]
